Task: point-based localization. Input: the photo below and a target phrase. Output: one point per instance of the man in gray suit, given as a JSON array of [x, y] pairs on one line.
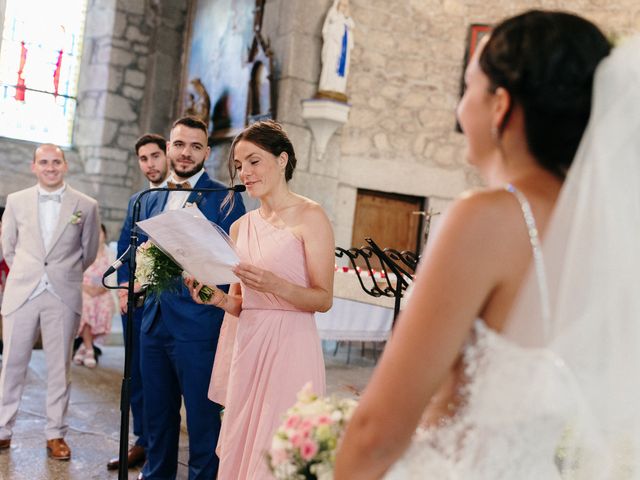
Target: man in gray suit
[[49, 237]]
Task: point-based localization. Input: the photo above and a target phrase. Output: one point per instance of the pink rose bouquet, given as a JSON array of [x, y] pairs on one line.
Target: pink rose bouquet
[[304, 447]]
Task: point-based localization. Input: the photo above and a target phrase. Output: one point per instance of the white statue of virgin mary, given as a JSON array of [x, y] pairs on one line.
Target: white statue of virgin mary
[[337, 36]]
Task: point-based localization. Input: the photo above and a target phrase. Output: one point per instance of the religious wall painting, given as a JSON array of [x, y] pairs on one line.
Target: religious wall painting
[[475, 34], [216, 73]]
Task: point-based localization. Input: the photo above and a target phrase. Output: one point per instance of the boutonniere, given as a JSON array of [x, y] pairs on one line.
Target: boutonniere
[[196, 202], [76, 218], [200, 200]]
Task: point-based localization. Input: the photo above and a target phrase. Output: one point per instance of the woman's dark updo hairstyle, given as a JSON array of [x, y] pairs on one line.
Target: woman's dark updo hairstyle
[[546, 61], [270, 136]]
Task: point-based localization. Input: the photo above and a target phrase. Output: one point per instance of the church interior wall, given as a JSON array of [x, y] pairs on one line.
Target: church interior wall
[[403, 87]]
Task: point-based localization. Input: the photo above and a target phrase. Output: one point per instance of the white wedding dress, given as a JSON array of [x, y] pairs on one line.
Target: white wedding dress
[[487, 438], [556, 395]]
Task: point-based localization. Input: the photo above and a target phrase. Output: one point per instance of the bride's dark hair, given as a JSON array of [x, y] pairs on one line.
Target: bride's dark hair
[[546, 61]]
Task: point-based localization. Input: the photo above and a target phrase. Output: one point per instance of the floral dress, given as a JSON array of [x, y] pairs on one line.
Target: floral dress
[[97, 312]]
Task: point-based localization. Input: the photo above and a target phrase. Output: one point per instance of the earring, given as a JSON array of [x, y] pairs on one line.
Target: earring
[[494, 134]]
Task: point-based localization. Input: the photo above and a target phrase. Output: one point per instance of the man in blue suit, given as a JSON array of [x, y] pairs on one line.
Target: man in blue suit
[[151, 150], [179, 337]]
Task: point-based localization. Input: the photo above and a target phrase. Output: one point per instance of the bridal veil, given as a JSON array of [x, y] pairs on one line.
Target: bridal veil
[[592, 258]]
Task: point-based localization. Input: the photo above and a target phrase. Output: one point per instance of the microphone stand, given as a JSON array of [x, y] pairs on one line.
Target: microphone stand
[[125, 392]]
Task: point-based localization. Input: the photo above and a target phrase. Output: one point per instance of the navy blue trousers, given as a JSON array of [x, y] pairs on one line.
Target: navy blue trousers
[[173, 369]]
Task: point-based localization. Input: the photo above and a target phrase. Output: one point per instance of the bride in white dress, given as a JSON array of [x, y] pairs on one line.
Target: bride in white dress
[[513, 361]]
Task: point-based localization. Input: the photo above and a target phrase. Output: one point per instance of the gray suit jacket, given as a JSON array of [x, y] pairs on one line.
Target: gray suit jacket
[[72, 249]]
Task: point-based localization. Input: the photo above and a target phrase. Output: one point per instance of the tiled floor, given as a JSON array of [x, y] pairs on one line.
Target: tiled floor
[[94, 416]]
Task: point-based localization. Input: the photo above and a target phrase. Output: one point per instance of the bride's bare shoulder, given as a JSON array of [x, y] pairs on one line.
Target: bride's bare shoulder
[[483, 208]]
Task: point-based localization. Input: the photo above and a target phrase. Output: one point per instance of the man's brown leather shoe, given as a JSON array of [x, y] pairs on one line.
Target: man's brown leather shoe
[[58, 449], [135, 457], [5, 443]]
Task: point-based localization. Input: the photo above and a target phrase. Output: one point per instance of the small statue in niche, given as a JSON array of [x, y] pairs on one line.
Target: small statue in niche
[[337, 36], [198, 103]]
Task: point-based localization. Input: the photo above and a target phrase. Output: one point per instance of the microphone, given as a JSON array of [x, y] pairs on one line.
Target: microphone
[[118, 263], [235, 188]]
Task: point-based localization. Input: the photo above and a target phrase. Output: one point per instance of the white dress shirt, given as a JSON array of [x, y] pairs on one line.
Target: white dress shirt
[[48, 215], [177, 198]]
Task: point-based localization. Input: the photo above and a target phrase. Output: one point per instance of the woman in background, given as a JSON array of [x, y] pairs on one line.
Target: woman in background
[[98, 305]]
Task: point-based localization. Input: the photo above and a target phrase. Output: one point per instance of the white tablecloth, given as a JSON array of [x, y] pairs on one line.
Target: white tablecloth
[[356, 321]]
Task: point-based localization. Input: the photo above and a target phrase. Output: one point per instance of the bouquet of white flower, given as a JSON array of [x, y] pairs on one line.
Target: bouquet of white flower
[[304, 447], [159, 273]]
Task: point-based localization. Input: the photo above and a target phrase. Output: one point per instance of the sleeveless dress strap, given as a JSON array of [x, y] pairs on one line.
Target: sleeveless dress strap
[[538, 259]]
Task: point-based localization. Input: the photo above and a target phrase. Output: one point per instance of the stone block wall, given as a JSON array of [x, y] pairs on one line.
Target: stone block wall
[[403, 88], [300, 45]]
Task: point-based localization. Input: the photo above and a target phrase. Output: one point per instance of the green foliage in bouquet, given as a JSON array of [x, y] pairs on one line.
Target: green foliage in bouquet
[[156, 270], [159, 273]]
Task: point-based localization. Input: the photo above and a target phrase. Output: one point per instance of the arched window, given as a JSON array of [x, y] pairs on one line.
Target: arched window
[[39, 66]]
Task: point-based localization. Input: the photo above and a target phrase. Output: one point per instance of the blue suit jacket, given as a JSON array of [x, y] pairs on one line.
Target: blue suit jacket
[[185, 319]]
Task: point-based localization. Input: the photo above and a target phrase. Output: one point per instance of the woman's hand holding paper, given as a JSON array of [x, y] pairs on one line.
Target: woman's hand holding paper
[[258, 279]]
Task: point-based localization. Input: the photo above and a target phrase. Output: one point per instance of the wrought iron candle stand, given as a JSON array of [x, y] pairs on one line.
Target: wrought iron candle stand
[[393, 263], [401, 264]]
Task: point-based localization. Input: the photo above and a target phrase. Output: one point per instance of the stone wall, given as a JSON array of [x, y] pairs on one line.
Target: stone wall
[[128, 84], [298, 44], [404, 87]]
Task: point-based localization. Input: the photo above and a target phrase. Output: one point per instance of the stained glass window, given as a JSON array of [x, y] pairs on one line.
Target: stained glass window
[[39, 66]]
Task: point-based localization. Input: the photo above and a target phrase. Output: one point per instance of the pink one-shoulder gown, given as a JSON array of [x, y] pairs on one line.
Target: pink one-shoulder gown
[[276, 351]]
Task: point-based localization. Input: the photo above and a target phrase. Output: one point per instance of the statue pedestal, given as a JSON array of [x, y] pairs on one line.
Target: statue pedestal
[[324, 117]]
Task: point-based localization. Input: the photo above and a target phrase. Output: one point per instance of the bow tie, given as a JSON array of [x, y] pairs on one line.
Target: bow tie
[[53, 197], [178, 186]]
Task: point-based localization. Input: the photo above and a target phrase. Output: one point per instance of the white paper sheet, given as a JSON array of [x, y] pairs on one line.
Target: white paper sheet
[[199, 246]]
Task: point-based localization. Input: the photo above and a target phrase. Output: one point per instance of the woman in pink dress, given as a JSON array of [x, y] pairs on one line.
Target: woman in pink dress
[[98, 305], [273, 349]]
